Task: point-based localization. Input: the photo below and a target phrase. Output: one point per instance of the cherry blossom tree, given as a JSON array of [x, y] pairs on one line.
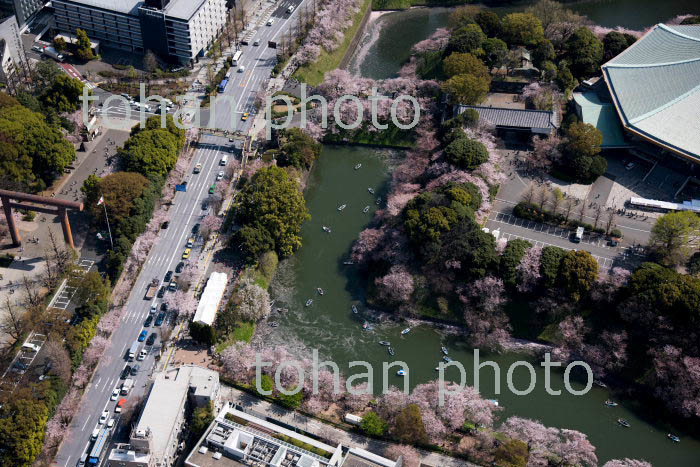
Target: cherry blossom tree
[[436, 42], [411, 457], [211, 224], [396, 287], [488, 325], [569, 447], [626, 463], [367, 242], [183, 302], [529, 269], [359, 398], [677, 380], [253, 302], [545, 153]]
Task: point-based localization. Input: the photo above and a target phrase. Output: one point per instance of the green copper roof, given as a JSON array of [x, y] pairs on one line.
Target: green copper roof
[[656, 86]]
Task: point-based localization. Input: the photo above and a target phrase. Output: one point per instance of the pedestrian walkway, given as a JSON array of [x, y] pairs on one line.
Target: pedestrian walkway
[[251, 404]]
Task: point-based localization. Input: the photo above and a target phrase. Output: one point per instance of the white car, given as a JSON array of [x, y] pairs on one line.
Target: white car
[[103, 418], [110, 423], [290, 9], [115, 394], [241, 69], [270, 22], [256, 43], [219, 176], [154, 307], [630, 165]]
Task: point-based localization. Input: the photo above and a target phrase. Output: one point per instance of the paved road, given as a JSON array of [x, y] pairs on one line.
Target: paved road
[[258, 62], [186, 211]]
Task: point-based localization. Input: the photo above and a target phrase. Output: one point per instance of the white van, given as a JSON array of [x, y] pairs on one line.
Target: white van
[[29, 347], [224, 160], [95, 434], [578, 236], [142, 355]]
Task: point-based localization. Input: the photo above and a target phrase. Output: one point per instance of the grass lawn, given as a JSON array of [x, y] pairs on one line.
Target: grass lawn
[[313, 73], [245, 330]]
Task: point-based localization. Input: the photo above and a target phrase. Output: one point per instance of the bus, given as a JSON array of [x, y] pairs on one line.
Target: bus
[[236, 57], [98, 448], [222, 85]]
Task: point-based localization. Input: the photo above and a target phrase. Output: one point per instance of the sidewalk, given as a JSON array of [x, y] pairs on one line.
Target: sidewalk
[[310, 425]]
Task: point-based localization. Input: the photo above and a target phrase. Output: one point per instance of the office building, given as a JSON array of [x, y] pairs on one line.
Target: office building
[[155, 438], [238, 439], [23, 10], [178, 30], [13, 61]]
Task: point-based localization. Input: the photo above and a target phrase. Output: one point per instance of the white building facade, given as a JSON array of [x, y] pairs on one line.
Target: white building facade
[[13, 61]]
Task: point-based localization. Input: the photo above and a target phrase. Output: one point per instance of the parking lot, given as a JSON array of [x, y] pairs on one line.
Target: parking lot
[[22, 362], [65, 291]]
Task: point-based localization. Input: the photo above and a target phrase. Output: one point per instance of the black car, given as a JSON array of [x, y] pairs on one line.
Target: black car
[[151, 339], [160, 319], [180, 266], [165, 225], [148, 321], [163, 306], [168, 276], [126, 372], [161, 291], [135, 369], [195, 229]]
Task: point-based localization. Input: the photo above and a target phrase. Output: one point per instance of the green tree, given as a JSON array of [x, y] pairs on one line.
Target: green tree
[[674, 237], [151, 153], [84, 46], [510, 259], [463, 15], [614, 43], [201, 418], [299, 150], [63, 94], [466, 153], [203, 333], [489, 22], [408, 426], [578, 273], [155, 123], [467, 89], [373, 424], [22, 426], [584, 52], [120, 191], [466, 39], [581, 152], [60, 44], [522, 29], [565, 79], [267, 384], [273, 202], [512, 453], [32, 152], [550, 262], [542, 53], [693, 265], [92, 288], [495, 52], [465, 63], [46, 73]]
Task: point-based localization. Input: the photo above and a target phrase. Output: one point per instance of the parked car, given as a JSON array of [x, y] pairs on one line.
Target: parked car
[[103, 418], [197, 168], [142, 355], [190, 243], [186, 253], [245, 116], [270, 21], [180, 266], [20, 367], [212, 189], [37, 48], [630, 165], [154, 307], [148, 321], [151, 339], [168, 276], [160, 318], [161, 291], [115, 394], [219, 176], [165, 225], [164, 307], [135, 369], [110, 423], [125, 372], [196, 227], [142, 336]]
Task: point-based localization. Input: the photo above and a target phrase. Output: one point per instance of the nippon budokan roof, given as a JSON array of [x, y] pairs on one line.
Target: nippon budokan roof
[[655, 86]]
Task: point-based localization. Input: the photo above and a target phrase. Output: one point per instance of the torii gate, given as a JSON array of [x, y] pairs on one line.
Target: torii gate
[[61, 211]]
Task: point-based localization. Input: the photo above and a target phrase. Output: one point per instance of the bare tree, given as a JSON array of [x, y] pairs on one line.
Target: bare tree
[[596, 217], [530, 193], [57, 360], [557, 197], [542, 196], [610, 224], [30, 292], [582, 211], [568, 206], [14, 323]]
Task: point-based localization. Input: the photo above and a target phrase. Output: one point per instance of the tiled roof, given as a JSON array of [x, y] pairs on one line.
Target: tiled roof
[[514, 118], [655, 85]]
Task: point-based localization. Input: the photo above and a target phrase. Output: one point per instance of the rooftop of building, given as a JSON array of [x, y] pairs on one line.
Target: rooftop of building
[[655, 86], [120, 6], [166, 401], [514, 118], [600, 112], [211, 298], [183, 9], [237, 438]]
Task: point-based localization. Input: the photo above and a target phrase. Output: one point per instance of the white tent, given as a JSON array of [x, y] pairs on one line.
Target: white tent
[[209, 303]]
